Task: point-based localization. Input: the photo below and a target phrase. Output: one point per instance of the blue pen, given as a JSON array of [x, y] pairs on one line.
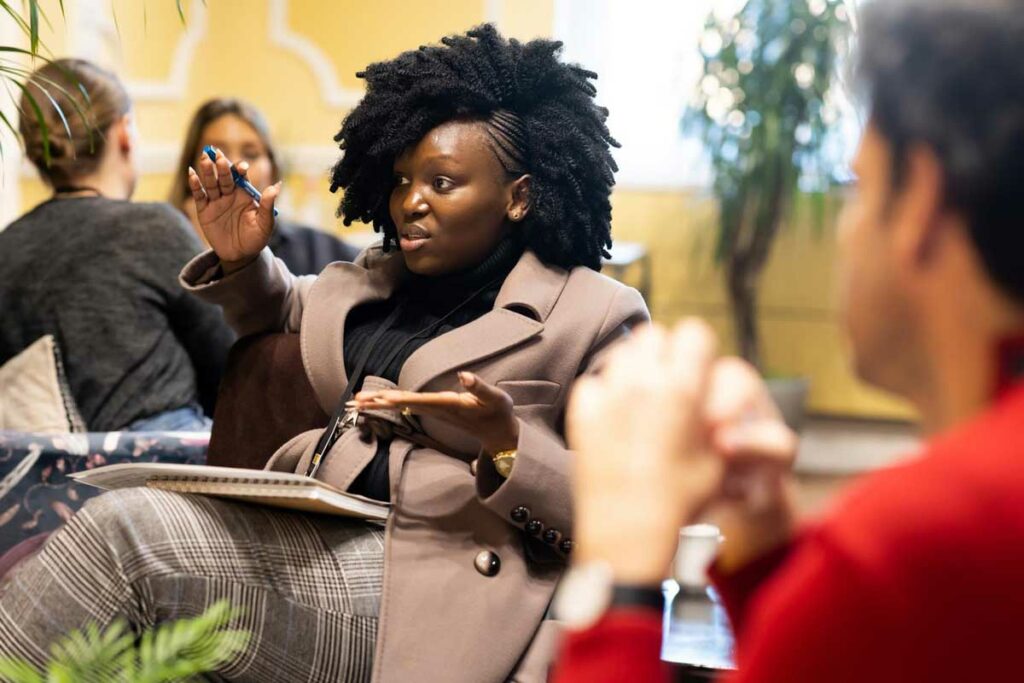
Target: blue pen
[[241, 182]]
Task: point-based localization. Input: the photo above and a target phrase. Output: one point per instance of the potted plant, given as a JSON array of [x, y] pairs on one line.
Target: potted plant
[[176, 651], [764, 109]]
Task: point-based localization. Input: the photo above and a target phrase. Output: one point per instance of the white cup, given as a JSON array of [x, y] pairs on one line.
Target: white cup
[[698, 546]]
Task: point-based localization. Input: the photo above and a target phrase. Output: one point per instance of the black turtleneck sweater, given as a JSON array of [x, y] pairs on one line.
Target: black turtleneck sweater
[[431, 306]]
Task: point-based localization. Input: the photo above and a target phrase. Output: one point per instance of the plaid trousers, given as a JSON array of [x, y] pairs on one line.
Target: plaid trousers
[[309, 585]]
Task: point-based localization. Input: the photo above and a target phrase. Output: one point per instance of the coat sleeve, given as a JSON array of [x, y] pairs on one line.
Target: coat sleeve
[[261, 297], [539, 481]]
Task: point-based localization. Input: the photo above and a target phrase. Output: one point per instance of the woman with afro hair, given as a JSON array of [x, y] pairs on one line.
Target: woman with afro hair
[[445, 354]]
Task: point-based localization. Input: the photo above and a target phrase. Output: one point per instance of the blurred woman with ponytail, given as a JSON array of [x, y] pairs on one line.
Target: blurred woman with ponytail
[[99, 272]]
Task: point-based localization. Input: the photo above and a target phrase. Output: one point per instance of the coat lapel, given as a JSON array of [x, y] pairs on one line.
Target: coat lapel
[[523, 304], [340, 288]]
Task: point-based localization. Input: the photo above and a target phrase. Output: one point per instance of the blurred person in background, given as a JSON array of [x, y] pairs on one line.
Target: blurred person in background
[[100, 272], [241, 133], [915, 576]]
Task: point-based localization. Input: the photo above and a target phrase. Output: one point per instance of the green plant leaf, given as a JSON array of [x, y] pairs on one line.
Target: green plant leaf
[[172, 652], [190, 646], [60, 112], [45, 84], [33, 22], [17, 671], [11, 48], [92, 655], [759, 113], [43, 127]]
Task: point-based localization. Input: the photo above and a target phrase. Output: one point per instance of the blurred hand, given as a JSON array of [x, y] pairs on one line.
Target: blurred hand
[[482, 411], [748, 432], [754, 507], [664, 433], [235, 226], [644, 464]]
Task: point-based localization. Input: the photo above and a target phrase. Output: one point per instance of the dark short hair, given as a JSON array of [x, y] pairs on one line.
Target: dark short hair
[[541, 117], [949, 74]]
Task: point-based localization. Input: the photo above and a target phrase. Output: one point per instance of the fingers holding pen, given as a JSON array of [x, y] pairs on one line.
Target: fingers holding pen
[[195, 186], [207, 173], [224, 178]]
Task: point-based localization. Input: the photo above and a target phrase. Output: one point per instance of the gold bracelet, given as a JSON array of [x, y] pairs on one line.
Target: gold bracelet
[[503, 462]]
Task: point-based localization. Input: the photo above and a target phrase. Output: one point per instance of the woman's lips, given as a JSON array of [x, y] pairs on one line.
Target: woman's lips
[[412, 243], [413, 237]]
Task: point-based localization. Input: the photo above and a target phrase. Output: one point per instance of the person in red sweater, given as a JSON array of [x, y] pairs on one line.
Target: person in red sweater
[[918, 573]]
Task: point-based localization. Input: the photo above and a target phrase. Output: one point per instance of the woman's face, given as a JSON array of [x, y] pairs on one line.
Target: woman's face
[[452, 202], [239, 142]]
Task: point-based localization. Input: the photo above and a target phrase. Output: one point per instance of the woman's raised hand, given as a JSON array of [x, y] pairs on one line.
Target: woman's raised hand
[[236, 227]]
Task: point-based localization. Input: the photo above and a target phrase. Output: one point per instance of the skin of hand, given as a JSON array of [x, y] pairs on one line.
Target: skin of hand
[[237, 139], [483, 410], [235, 226], [666, 432], [755, 506]]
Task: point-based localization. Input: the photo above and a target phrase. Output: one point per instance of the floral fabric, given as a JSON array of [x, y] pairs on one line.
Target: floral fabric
[[36, 494]]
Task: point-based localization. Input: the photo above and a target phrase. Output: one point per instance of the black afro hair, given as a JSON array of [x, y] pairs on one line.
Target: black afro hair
[[541, 115]]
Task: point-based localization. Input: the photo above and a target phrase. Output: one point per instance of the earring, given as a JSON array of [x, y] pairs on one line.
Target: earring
[[516, 215]]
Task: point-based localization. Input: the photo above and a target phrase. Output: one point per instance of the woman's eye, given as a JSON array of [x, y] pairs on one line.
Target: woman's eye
[[441, 183], [401, 180]]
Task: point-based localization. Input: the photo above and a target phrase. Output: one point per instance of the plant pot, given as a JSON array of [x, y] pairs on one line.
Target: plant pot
[[790, 395]]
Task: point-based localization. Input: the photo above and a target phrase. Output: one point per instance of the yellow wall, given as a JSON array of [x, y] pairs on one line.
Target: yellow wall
[[240, 55], [798, 302]]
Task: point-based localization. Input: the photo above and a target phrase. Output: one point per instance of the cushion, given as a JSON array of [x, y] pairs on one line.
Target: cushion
[[34, 394]]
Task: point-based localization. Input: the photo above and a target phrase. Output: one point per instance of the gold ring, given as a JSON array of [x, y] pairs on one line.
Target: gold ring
[[407, 411]]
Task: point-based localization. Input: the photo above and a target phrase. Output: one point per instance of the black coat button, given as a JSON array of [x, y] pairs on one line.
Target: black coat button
[[487, 563], [534, 527], [520, 514], [565, 546], [551, 536]]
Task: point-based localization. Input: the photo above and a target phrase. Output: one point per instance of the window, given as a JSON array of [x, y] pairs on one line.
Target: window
[[646, 53]]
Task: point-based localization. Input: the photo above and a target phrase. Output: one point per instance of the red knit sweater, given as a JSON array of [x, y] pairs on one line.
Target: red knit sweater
[[918, 575]]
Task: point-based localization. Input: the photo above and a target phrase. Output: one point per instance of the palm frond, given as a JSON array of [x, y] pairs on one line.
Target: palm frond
[[173, 652], [33, 23], [38, 113], [190, 646], [93, 655], [17, 671]]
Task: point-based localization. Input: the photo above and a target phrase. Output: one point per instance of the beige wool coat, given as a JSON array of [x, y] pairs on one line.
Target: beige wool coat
[[471, 559]]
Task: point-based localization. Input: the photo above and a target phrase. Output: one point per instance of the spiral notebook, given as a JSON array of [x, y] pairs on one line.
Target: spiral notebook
[[261, 487]]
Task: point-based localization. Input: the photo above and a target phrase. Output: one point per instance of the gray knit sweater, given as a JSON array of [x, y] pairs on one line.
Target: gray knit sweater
[[102, 277]]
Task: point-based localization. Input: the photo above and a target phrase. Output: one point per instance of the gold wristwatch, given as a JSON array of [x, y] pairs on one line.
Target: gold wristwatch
[[503, 462]]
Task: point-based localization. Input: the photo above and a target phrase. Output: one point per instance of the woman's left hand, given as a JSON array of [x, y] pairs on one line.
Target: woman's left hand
[[484, 411]]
